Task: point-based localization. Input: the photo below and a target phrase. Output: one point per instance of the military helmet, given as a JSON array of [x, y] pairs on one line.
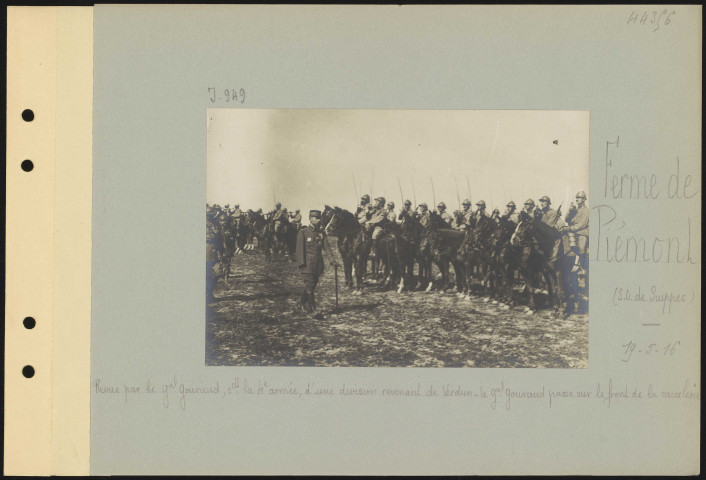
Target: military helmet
[[495, 210], [511, 204], [545, 199], [314, 213], [480, 203], [407, 202], [529, 201], [391, 204], [365, 197], [441, 205], [466, 202], [380, 199], [424, 205], [297, 210], [581, 194], [236, 205], [278, 204]]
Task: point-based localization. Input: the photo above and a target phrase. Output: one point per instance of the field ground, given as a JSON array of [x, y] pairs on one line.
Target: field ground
[[254, 320]]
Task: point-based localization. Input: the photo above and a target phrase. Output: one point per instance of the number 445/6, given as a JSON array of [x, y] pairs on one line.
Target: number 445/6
[[228, 95]]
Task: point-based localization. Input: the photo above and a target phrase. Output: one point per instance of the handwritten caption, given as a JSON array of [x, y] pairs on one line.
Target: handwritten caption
[[227, 95], [613, 244], [654, 18], [180, 394], [664, 299]]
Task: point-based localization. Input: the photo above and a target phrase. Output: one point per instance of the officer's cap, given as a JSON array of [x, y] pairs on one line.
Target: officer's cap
[[314, 213], [466, 202], [365, 197], [407, 202], [529, 201], [545, 199], [480, 203], [581, 194], [441, 205], [511, 204]]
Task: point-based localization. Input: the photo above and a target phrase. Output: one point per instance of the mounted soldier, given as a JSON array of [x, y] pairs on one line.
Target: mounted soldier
[[237, 215], [511, 212], [548, 215], [423, 213], [467, 214], [391, 215], [297, 219], [577, 226], [407, 210], [376, 216], [363, 209], [529, 206], [445, 216], [480, 211]]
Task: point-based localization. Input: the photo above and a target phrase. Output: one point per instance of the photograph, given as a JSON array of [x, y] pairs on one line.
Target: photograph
[[397, 238]]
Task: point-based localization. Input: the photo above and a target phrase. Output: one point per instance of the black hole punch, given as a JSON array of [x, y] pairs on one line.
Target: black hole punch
[[27, 165], [27, 115], [28, 371], [29, 323]]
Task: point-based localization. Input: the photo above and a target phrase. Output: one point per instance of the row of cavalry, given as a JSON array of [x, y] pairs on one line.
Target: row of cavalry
[[528, 262]]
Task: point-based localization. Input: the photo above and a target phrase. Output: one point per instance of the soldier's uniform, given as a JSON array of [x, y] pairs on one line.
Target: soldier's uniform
[[424, 215], [391, 215], [577, 226], [480, 211], [549, 216], [467, 214], [407, 210], [511, 213], [445, 216], [529, 205], [297, 220], [237, 215], [310, 260], [363, 209], [214, 251]]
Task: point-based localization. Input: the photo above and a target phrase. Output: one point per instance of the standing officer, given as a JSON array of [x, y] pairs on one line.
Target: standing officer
[[445, 216], [310, 260]]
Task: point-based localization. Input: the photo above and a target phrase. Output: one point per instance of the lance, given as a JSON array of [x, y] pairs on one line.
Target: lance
[[401, 194], [458, 196], [414, 193], [468, 186], [355, 188], [372, 179], [433, 193]]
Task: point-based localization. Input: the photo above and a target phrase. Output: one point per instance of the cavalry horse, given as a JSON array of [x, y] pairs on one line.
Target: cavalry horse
[[354, 243], [441, 245], [536, 240], [477, 251], [504, 260]]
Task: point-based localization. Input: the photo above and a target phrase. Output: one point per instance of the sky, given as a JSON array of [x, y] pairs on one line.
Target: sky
[[308, 158]]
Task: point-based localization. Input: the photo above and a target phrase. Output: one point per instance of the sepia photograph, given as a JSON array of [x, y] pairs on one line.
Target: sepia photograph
[[397, 238]]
